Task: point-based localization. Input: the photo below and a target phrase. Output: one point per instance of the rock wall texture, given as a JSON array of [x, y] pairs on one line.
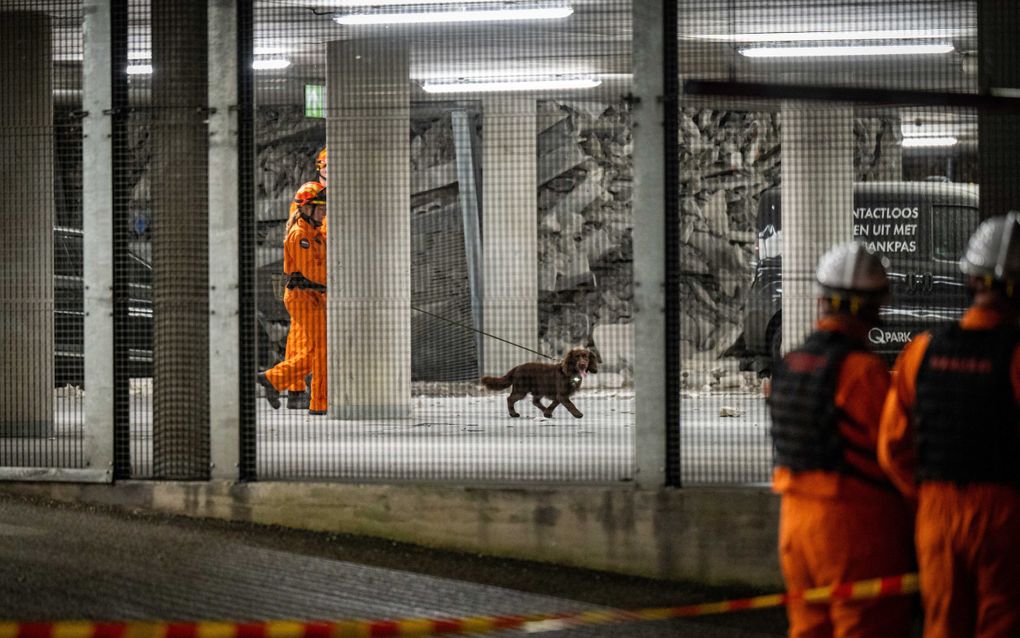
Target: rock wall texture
[[585, 249], [727, 159]]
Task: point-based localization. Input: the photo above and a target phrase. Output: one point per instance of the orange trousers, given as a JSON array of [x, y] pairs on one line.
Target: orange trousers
[[297, 344], [968, 550], [308, 313], [824, 541]]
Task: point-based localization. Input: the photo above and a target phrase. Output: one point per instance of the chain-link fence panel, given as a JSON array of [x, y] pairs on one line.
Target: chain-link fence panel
[[802, 126], [41, 279], [479, 184]]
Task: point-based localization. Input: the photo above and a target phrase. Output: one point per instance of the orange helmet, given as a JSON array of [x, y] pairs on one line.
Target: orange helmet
[[310, 193], [320, 159]]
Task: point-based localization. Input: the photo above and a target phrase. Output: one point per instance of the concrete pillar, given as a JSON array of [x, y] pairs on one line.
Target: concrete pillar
[[180, 241], [509, 231], [999, 133], [650, 399], [27, 211], [224, 233], [97, 234], [817, 208], [369, 299]]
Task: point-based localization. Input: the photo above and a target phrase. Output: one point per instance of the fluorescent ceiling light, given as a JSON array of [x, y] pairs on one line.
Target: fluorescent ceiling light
[[491, 85], [832, 36], [392, 3], [846, 51], [507, 12], [258, 65], [272, 63], [139, 55], [929, 142]]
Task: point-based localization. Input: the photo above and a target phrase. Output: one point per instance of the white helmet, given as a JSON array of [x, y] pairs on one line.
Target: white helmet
[[994, 249], [851, 269]]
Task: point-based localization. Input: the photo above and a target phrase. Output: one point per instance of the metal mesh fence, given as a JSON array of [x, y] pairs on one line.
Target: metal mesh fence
[[804, 125], [475, 212], [41, 264], [470, 230]]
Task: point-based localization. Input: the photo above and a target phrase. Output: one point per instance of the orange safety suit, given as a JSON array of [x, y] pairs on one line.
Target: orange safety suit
[[304, 253], [838, 527], [968, 535], [297, 341]]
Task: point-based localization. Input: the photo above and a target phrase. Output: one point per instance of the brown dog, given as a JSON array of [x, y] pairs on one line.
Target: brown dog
[[555, 381]]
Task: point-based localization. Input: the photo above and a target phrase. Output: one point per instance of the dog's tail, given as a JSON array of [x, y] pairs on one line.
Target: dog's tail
[[497, 383]]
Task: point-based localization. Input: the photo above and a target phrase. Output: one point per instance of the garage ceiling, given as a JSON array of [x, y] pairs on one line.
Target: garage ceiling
[[595, 40]]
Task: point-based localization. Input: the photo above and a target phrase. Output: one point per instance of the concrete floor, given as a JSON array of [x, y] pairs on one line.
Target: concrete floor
[[459, 438]]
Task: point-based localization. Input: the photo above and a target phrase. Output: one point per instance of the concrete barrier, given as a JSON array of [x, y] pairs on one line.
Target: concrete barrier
[[713, 536]]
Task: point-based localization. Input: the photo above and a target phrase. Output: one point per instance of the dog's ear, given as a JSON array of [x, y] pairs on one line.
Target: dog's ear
[[593, 361], [568, 363]]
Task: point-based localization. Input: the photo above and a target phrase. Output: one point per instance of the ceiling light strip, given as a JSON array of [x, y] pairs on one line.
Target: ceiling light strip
[[472, 15], [350, 4], [846, 51], [508, 84], [929, 142]]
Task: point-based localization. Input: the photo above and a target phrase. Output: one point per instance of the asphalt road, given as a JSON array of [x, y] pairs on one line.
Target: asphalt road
[[61, 562]]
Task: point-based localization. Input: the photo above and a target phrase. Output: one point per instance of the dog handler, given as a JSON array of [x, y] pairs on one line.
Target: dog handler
[[304, 262], [297, 342], [841, 519], [950, 437]]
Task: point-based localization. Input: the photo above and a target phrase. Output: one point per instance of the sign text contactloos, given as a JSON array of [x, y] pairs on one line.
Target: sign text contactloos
[[887, 229]]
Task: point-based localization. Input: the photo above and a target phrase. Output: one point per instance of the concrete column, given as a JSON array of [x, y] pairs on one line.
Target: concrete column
[[649, 250], [97, 233], [999, 133], [369, 299], [224, 232], [27, 211], [180, 240], [509, 231], [817, 209]]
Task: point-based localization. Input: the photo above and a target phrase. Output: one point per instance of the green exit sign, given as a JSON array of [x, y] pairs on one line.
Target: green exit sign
[[315, 100]]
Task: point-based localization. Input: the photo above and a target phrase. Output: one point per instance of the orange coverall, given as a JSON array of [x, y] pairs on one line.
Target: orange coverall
[[304, 251], [837, 528], [968, 536], [297, 341]]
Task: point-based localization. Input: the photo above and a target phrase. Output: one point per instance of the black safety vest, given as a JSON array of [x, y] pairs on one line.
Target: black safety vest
[[805, 418], [966, 415]]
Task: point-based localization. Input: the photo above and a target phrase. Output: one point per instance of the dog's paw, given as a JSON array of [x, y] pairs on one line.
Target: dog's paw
[[577, 415], [514, 415]]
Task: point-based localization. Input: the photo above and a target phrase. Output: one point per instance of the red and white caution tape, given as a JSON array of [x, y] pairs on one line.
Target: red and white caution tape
[[873, 588]]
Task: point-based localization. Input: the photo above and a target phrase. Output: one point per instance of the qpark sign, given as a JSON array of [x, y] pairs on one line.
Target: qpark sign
[[883, 337]]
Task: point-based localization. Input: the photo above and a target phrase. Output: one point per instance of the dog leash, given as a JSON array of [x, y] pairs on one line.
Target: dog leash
[[482, 332]]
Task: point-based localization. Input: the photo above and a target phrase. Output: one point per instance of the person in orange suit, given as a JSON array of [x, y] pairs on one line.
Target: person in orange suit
[[950, 437], [297, 342], [322, 176], [841, 520], [304, 262]]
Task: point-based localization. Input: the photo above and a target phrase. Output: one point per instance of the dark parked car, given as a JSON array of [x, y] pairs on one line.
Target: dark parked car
[[69, 316], [922, 228]]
